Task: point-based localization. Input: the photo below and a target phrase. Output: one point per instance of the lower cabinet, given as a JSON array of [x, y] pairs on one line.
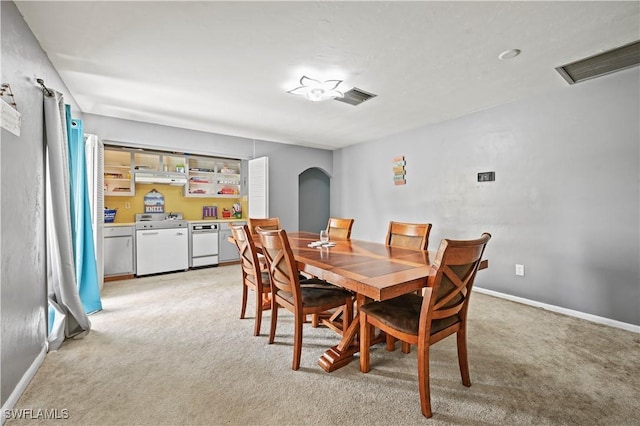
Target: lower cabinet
[[228, 252], [118, 251], [162, 250]]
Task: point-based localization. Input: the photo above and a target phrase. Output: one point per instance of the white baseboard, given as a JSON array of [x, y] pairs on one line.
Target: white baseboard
[[23, 383], [560, 310]]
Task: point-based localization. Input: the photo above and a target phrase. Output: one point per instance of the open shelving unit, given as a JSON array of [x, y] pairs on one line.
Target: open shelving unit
[[207, 177], [213, 177], [117, 173]]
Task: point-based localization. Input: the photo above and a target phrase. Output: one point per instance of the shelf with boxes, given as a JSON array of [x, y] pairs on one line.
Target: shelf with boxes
[[213, 177], [117, 172], [206, 177]]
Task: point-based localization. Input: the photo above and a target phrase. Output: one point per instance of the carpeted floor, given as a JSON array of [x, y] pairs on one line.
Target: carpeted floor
[[171, 349]]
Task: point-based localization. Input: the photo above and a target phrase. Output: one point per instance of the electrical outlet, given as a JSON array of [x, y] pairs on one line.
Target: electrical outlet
[[127, 205], [519, 270]]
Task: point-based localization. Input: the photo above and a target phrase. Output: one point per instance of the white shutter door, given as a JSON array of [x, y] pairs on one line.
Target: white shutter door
[[259, 187]]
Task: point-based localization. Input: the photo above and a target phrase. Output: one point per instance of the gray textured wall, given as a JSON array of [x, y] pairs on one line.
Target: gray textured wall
[[23, 291], [565, 202]]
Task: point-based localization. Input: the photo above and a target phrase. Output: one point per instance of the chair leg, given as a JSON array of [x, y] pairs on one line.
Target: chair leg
[[297, 341], [365, 342], [391, 343], [258, 323], [423, 380], [274, 320], [315, 320], [243, 309], [406, 348], [463, 360]]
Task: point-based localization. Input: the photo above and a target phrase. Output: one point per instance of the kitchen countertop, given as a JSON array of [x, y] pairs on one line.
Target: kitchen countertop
[[190, 221], [217, 220]]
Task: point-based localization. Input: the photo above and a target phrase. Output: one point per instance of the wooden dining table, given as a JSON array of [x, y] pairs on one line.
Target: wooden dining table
[[373, 271]]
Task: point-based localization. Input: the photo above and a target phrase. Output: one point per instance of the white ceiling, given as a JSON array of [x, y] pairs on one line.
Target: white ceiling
[[225, 67]]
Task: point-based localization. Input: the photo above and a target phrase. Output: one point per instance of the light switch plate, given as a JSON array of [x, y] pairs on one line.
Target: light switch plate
[[519, 270]]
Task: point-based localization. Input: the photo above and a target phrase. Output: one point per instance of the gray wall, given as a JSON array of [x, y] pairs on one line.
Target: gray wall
[[565, 202], [286, 162], [23, 289]]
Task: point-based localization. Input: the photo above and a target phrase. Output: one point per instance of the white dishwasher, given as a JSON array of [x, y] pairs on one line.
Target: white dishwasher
[[203, 248], [161, 246]]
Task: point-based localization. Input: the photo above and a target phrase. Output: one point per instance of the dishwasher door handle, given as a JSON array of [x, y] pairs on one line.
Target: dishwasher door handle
[[150, 233]]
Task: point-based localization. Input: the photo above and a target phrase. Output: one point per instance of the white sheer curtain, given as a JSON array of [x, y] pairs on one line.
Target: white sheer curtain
[[69, 318]]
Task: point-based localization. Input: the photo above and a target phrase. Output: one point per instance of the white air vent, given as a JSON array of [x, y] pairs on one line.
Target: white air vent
[[355, 96], [604, 63]]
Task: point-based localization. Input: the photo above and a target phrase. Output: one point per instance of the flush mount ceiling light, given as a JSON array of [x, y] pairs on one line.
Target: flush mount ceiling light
[[316, 90], [509, 54]]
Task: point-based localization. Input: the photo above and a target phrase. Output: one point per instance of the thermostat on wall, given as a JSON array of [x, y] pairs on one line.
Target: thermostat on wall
[[486, 176]]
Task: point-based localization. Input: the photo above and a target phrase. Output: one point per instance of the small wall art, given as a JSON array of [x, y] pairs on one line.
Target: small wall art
[[399, 171], [153, 202]]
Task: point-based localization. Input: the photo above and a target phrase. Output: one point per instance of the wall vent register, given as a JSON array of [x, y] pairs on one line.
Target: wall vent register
[[355, 97]]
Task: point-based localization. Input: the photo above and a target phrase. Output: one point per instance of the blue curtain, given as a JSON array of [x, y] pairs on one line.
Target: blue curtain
[[81, 230]]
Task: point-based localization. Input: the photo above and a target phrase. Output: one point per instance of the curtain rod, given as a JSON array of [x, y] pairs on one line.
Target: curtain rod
[[41, 83]]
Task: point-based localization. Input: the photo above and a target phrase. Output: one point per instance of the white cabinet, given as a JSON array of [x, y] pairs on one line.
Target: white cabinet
[[158, 162], [207, 177], [117, 172], [227, 251], [118, 251], [213, 177], [161, 250]]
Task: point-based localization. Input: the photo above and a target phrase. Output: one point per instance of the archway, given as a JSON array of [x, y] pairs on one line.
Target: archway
[[313, 200]]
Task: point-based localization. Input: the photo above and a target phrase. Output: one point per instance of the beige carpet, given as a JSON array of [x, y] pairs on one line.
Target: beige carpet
[[172, 350]]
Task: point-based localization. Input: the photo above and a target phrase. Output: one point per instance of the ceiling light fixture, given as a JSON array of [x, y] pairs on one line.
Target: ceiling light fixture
[[316, 90], [509, 54]]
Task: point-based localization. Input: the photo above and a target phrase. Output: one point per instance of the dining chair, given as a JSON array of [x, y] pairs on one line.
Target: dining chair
[[339, 228], [264, 223], [408, 235], [288, 292], [253, 276], [425, 320]]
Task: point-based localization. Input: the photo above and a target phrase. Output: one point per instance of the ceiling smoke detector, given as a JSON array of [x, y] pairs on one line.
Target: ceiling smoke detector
[[355, 96], [617, 59]]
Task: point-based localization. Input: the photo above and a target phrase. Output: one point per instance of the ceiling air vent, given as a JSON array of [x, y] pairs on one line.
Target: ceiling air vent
[[604, 63], [355, 96]]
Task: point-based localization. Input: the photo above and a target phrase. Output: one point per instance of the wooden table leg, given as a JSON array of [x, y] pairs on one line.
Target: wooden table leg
[[342, 354]]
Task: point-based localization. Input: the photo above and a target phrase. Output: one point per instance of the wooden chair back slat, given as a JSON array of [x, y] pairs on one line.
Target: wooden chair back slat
[[339, 228], [264, 223], [408, 235]]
